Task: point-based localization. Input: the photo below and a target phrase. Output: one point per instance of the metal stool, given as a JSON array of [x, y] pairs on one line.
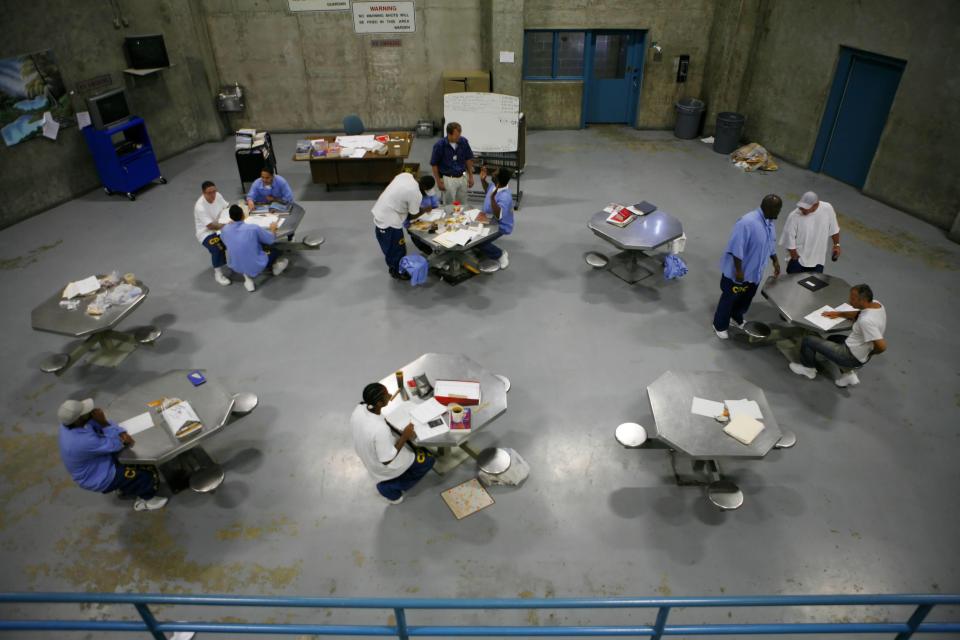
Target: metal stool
[[493, 461], [54, 363], [313, 241], [596, 260], [757, 330], [207, 479], [147, 335], [505, 380], [489, 266], [725, 495], [244, 403], [787, 440], [631, 435]]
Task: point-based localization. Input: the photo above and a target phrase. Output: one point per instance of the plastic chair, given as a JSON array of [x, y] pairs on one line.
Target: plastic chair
[[353, 125]]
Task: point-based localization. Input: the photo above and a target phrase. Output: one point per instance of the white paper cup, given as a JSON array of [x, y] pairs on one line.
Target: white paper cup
[[456, 413]]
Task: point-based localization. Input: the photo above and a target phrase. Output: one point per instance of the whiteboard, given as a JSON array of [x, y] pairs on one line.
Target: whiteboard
[[489, 121]]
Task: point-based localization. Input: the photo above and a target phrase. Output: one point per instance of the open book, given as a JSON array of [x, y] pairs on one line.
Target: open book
[[181, 419]]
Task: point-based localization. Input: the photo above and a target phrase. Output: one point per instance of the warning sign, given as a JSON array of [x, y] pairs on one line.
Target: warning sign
[[384, 17]]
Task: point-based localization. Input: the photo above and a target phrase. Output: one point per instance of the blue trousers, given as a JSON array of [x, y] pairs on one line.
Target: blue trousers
[[490, 250], [134, 480], [734, 302], [393, 246], [833, 349], [218, 253], [393, 489], [794, 266]]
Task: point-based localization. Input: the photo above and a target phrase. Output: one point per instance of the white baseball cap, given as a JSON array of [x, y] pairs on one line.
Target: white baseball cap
[[808, 200], [71, 410]]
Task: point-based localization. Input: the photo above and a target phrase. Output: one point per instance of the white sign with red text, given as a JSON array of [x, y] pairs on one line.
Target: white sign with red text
[[384, 17]]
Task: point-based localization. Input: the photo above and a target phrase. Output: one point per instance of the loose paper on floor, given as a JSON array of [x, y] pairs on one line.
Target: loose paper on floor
[[467, 498], [139, 423], [707, 408]]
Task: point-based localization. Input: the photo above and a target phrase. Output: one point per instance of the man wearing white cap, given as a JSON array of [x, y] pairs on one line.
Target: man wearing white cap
[[806, 232], [89, 444]]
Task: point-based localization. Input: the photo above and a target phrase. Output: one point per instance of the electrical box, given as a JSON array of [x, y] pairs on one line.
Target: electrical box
[[683, 67]]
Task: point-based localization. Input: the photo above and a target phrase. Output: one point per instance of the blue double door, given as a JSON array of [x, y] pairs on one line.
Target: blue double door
[[614, 67], [860, 99]]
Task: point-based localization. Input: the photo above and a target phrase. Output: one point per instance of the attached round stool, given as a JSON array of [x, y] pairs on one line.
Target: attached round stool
[[147, 335], [757, 330], [207, 479], [313, 241], [493, 461], [725, 495], [631, 435], [244, 403], [787, 440], [489, 266], [505, 380], [55, 362], [596, 260]]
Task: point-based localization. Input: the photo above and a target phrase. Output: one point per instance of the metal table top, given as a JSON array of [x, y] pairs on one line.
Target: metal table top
[[671, 396], [794, 301], [448, 366], [643, 234], [291, 221], [49, 316], [428, 237], [156, 445]]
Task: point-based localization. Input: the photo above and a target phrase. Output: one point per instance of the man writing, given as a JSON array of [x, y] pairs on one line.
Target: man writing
[[806, 232], [248, 248], [269, 188], [751, 242], [452, 164]]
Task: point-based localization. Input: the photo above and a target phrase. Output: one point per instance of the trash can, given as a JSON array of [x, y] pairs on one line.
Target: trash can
[[689, 111], [729, 129]]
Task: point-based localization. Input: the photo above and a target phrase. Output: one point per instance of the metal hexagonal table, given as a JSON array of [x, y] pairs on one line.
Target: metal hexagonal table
[[643, 234]]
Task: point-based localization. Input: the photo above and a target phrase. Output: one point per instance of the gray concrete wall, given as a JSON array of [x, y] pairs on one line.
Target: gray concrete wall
[[681, 27], [553, 105], [915, 167], [177, 104], [306, 71]]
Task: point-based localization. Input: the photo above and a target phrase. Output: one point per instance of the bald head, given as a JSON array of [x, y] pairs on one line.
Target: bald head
[[771, 206]]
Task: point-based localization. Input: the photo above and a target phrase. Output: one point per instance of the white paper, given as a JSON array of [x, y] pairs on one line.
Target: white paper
[[426, 433], [179, 415], [358, 153], [744, 429], [816, 318], [357, 142], [506, 56], [50, 126], [83, 119], [433, 216], [138, 423], [457, 388], [844, 307], [81, 287], [427, 411], [263, 220], [743, 407], [707, 408], [472, 214]]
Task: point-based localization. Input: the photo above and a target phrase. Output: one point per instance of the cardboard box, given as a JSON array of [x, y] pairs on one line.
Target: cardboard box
[[459, 81]]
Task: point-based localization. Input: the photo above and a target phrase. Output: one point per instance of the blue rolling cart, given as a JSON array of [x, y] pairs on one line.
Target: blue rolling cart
[[124, 157]]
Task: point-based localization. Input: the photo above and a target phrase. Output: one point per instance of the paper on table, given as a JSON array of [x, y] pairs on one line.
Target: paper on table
[[433, 216], [426, 433], [50, 126], [472, 214], [81, 287], [138, 423], [262, 220], [816, 318], [844, 307], [744, 429], [83, 119], [708, 408], [358, 153], [355, 142], [744, 407], [427, 411]]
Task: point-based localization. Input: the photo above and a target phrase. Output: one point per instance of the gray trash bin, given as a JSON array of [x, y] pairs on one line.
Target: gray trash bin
[[689, 111], [729, 129]]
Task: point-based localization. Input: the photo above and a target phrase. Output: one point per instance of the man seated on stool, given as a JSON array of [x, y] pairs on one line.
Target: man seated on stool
[[206, 214], [248, 248], [89, 444], [847, 352], [269, 188], [497, 204]]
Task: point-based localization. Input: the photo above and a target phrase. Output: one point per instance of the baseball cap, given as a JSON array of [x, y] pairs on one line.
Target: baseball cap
[[808, 200], [71, 410]]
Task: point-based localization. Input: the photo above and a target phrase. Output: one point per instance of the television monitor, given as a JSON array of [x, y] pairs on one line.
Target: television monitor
[[146, 52], [108, 109]]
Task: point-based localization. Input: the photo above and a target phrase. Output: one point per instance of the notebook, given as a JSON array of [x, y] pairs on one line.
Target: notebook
[[744, 429]]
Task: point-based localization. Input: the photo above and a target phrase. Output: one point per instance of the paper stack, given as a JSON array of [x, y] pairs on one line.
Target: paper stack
[[745, 418], [817, 319], [250, 138], [181, 419], [81, 287], [303, 150]]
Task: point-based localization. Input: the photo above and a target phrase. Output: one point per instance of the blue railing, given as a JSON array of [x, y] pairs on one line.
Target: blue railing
[[149, 624]]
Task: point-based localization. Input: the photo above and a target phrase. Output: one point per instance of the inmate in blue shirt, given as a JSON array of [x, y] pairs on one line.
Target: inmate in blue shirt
[[88, 454], [244, 247], [280, 190], [505, 200], [753, 241]]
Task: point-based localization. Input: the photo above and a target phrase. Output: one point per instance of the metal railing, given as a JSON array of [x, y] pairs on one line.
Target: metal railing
[[149, 624]]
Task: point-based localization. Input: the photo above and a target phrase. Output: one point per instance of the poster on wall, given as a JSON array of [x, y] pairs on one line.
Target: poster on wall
[[297, 6], [383, 17], [31, 85]]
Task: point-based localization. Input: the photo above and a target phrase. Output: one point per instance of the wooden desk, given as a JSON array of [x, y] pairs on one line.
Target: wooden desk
[[372, 168]]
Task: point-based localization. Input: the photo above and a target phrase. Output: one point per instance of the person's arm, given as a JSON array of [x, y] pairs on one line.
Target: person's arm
[[435, 156], [836, 245], [483, 178], [468, 160], [406, 436], [879, 346], [470, 173], [776, 264], [495, 208], [286, 193], [250, 195], [267, 237], [738, 269], [94, 444], [849, 315]]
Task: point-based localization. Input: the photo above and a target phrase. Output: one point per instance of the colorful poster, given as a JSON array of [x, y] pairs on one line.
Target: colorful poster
[[30, 85]]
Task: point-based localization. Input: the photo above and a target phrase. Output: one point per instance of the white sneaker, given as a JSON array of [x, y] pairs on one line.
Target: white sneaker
[[389, 501], [249, 284], [738, 325], [723, 335], [220, 277], [152, 504], [801, 370], [504, 260], [848, 379], [280, 266]]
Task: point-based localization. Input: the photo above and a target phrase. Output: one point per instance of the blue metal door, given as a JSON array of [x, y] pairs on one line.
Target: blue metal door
[[856, 114], [614, 66]]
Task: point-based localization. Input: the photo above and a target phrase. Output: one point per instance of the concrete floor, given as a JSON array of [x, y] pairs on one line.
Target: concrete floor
[[866, 502]]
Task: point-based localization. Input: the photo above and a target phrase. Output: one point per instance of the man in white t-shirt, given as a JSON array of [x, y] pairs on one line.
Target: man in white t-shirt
[[402, 198], [806, 233], [206, 214], [390, 459], [851, 352]]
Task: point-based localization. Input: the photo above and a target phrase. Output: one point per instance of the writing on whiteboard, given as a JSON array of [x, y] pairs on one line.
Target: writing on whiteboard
[[490, 121]]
